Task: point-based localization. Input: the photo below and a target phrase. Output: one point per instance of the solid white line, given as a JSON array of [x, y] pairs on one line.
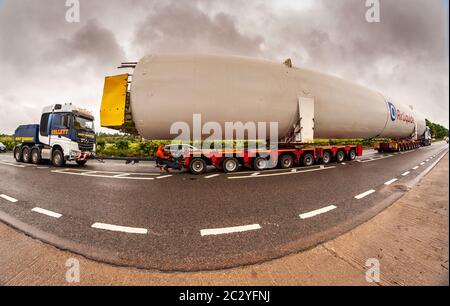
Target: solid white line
[[90, 172], [105, 176], [317, 212], [279, 174], [406, 173], [164, 176], [8, 198], [117, 228], [391, 181], [13, 165], [256, 173], [121, 175], [47, 212], [212, 176], [416, 167], [43, 167], [365, 194], [229, 230]]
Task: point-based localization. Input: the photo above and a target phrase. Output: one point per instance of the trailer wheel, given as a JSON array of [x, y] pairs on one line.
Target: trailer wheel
[[308, 160], [197, 166], [18, 154], [81, 163], [286, 161], [352, 155], [230, 165], [260, 164], [326, 159], [35, 156], [58, 158], [340, 156], [26, 154]]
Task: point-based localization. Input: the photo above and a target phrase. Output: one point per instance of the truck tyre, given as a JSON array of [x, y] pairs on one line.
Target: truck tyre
[[340, 156], [26, 154], [308, 160], [58, 158], [327, 157], [230, 165], [18, 154], [197, 166], [35, 156], [352, 155], [81, 163], [260, 164], [286, 161]]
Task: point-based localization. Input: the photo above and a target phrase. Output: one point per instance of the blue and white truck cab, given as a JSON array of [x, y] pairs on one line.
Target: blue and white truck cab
[[65, 133]]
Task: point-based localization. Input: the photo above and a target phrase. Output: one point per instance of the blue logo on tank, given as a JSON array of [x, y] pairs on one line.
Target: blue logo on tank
[[392, 111]]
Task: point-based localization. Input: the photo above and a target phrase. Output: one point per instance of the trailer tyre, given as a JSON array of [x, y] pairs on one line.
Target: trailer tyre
[[340, 157], [26, 154], [286, 162], [326, 159], [260, 164], [352, 155], [18, 154], [36, 156], [308, 160], [58, 158], [230, 165], [197, 166]]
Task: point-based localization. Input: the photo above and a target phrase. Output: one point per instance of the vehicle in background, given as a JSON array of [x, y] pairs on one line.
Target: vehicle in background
[[2, 148], [65, 133]]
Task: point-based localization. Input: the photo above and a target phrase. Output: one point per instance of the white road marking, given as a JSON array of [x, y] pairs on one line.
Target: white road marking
[[406, 173], [8, 198], [343, 164], [416, 167], [121, 175], [374, 159], [365, 194], [163, 177], [13, 165], [427, 160], [212, 176], [117, 228], [229, 230], [43, 167], [104, 176], [279, 174], [422, 164], [47, 212], [294, 170], [90, 172], [317, 212], [256, 173], [391, 182]]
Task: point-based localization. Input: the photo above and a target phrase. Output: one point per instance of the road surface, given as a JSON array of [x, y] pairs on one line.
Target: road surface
[[133, 215]]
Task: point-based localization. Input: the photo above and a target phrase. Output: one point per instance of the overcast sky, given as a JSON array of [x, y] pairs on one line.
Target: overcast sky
[[46, 60]]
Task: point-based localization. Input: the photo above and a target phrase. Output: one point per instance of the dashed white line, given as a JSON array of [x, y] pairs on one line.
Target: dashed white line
[[229, 230], [317, 212], [365, 194], [118, 228], [47, 212], [422, 164], [212, 176], [163, 177], [416, 167], [406, 173], [8, 198], [391, 181]]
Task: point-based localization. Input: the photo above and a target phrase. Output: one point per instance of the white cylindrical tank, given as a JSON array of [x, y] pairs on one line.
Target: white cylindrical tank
[[171, 88]]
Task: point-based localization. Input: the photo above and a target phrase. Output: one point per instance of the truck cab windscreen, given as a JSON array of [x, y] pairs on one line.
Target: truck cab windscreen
[[81, 123]]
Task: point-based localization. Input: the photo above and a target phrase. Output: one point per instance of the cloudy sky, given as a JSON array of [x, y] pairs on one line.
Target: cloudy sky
[[46, 60]]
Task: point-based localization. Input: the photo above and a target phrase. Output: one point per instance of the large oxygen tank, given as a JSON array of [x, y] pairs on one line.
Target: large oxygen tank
[[171, 88]]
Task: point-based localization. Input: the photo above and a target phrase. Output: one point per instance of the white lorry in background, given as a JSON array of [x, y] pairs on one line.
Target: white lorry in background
[[65, 133]]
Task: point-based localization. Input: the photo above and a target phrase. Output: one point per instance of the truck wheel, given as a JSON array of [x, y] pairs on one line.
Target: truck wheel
[[197, 166], [260, 164], [352, 155], [18, 154], [35, 156], [230, 165], [286, 161], [340, 157], [81, 163], [308, 160], [326, 159], [58, 158], [26, 154]]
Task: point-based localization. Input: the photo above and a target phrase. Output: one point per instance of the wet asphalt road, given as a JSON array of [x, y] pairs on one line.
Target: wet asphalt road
[[170, 217]]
